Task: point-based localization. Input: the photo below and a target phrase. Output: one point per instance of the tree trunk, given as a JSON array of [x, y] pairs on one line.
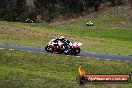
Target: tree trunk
[[130, 2], [112, 3]]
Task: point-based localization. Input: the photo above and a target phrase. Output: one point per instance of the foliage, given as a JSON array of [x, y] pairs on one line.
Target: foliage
[[14, 10], [48, 9], [17, 10]]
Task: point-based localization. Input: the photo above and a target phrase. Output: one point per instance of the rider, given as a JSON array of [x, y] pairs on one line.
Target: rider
[[63, 40]]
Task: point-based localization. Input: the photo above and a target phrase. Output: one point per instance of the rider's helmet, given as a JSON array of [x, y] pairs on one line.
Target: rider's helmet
[[62, 37]]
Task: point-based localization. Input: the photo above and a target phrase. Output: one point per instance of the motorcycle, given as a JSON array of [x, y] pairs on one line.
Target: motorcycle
[[90, 23], [55, 47], [73, 48]]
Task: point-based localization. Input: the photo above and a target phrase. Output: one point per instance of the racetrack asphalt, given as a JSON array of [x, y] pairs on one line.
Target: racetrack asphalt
[[82, 54]]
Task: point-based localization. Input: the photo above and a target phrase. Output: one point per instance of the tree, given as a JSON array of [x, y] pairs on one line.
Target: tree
[[20, 10], [13, 10], [130, 2], [112, 3], [3, 8], [97, 5]]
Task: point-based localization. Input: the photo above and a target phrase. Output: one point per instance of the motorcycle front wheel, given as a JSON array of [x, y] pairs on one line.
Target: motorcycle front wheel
[[48, 49]]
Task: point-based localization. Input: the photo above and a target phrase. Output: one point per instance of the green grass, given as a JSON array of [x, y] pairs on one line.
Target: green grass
[[107, 36], [43, 70]]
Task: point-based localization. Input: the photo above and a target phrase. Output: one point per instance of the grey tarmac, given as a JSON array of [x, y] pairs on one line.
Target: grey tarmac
[[82, 54]]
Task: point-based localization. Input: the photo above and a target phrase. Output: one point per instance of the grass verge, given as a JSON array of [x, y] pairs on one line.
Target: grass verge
[[43, 70]]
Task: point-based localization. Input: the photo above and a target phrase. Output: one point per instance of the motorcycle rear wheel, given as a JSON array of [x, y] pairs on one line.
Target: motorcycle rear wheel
[[77, 51]]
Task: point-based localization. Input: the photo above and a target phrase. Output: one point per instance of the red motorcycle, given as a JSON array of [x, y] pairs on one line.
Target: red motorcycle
[[55, 47], [59, 47], [74, 49]]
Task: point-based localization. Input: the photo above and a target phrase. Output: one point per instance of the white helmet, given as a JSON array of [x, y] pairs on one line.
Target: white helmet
[[62, 37]]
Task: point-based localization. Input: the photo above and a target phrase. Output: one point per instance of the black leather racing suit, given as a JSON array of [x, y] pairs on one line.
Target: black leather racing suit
[[65, 41]]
